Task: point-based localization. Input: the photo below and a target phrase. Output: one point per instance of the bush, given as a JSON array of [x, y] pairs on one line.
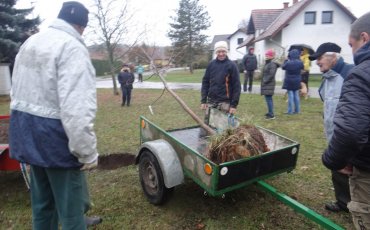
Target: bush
[[201, 64], [102, 66]]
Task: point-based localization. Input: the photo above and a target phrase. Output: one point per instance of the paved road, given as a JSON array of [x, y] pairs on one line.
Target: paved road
[[107, 83]]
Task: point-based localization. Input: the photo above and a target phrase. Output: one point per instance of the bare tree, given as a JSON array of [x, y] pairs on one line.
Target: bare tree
[[114, 22], [161, 72], [243, 24]]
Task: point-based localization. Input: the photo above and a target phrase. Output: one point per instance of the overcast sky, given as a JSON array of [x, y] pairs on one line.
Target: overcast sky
[[225, 15]]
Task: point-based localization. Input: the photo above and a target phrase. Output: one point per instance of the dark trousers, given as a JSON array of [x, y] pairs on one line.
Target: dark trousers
[[140, 77], [341, 188], [126, 95], [58, 195], [248, 78]]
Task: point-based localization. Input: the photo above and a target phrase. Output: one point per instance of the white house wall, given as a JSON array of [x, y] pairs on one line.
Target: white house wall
[[236, 54], [316, 34]]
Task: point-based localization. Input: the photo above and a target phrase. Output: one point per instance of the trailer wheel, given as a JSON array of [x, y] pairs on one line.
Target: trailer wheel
[[151, 179]]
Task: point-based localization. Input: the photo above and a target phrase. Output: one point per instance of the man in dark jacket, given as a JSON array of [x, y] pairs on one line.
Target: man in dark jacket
[[349, 148], [126, 79], [250, 65], [221, 82]]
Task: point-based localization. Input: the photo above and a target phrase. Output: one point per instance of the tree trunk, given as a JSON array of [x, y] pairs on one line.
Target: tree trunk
[[112, 71], [191, 68], [113, 75], [115, 89]]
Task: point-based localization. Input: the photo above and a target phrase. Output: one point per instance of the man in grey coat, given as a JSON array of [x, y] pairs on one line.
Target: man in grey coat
[[334, 71]]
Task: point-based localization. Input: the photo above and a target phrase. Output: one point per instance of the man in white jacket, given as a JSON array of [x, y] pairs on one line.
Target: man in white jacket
[[53, 108]]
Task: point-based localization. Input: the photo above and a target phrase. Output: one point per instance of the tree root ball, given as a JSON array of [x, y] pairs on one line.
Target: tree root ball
[[233, 144]]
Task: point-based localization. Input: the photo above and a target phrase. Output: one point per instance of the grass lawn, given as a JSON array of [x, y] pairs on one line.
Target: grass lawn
[[183, 76], [117, 194]]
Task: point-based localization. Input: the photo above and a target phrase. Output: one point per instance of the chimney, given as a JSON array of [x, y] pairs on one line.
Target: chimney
[[295, 1], [286, 5]]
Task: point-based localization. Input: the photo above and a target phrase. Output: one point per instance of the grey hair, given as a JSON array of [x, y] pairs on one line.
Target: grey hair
[[362, 24], [337, 55]]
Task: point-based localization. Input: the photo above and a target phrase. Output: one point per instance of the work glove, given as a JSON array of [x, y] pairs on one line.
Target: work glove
[[89, 166]]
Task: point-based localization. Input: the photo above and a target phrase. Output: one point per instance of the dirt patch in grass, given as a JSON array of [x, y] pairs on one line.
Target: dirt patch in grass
[[4, 125], [4, 98], [115, 160], [106, 162]]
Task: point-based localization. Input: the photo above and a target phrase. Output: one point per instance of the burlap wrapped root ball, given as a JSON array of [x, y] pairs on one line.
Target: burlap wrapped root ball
[[233, 144]]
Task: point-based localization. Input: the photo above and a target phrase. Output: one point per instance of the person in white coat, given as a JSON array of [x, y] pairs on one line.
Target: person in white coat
[[53, 108]]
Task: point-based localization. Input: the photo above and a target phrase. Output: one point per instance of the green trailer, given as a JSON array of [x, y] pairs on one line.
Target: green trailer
[[165, 157]]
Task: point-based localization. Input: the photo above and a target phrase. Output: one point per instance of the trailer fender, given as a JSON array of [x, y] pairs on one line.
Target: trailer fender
[[167, 159]]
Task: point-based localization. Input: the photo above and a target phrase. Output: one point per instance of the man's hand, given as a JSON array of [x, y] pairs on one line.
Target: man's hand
[[244, 71], [232, 110], [203, 106], [346, 170], [89, 166]]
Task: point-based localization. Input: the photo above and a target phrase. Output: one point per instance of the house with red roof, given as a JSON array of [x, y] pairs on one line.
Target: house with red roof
[[308, 22]]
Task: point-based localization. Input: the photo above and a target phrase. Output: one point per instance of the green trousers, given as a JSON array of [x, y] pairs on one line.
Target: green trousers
[[58, 196]]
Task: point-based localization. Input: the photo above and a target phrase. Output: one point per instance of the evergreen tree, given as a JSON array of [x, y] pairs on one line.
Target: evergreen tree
[[185, 32], [15, 28]]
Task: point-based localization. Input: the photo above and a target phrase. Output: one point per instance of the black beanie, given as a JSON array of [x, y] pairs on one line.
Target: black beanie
[[74, 13]]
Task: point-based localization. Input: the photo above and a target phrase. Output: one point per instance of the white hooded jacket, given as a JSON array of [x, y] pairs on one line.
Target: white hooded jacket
[[53, 78]]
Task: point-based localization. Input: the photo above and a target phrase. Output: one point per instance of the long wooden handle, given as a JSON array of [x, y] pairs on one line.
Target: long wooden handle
[[209, 130]]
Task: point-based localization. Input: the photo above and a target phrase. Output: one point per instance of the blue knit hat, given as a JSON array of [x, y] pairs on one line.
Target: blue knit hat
[[74, 13]]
